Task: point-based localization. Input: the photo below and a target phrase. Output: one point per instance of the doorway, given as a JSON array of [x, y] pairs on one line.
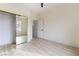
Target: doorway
[[35, 28]]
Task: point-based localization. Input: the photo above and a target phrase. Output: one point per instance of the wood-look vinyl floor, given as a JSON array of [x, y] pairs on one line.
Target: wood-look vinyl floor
[[39, 47]]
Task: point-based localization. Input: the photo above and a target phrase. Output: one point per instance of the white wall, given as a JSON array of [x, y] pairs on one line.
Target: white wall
[[7, 28], [61, 24]]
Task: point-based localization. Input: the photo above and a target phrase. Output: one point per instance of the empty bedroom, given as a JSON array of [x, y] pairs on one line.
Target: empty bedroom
[[39, 29]]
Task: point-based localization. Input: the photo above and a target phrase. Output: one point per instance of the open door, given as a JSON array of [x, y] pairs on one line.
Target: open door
[[35, 28]]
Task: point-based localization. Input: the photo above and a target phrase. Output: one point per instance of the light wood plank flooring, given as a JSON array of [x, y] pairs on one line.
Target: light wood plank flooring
[[39, 47]]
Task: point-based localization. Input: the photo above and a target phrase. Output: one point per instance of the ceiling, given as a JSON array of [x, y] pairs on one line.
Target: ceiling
[[35, 7]]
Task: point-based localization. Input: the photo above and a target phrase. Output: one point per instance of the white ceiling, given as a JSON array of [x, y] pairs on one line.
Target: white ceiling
[[35, 7]]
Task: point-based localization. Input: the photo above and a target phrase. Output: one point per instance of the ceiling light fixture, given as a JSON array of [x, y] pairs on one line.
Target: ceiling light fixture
[[42, 5]]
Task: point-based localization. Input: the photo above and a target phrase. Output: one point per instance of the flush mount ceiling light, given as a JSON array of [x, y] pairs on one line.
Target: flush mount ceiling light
[[42, 5]]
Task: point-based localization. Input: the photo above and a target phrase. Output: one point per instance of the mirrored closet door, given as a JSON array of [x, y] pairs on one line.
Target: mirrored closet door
[[21, 29]]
